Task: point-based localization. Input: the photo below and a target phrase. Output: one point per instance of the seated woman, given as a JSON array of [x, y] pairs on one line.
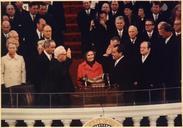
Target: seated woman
[[90, 70]]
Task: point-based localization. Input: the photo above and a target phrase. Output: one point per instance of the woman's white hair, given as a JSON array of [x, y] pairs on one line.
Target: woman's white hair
[[59, 50]]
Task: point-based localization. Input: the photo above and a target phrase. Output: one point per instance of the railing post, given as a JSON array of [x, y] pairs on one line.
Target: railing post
[[170, 120], [30, 123], [66, 122], [11, 123], [164, 94], [83, 98], [149, 96], [49, 100], [17, 99], [136, 121], [153, 120], [47, 123]]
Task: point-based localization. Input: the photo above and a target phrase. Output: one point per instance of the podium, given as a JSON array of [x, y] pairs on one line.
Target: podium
[[97, 94]]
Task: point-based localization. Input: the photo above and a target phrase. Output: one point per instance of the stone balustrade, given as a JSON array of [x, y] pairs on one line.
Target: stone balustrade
[[66, 115]]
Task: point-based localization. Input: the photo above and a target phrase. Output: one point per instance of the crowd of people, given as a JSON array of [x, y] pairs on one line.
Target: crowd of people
[[137, 43]]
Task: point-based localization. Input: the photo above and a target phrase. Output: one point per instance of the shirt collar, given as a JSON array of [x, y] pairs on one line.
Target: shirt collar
[[48, 55], [120, 30], [39, 33], [155, 14], [114, 12], [177, 33], [133, 40], [150, 32], [144, 57], [168, 38], [117, 61]]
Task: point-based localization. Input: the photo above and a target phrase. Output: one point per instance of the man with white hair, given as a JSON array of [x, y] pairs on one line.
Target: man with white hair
[[133, 42], [132, 49], [59, 80]]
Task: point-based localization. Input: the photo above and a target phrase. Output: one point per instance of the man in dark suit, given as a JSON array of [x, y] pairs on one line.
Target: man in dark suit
[[43, 62], [156, 13], [120, 74], [150, 34], [37, 35], [130, 18], [59, 80], [177, 29], [170, 61], [30, 17], [146, 76], [120, 30], [4, 35], [133, 43], [84, 18], [19, 7], [16, 22], [107, 61], [50, 20], [100, 35], [29, 27], [53, 9], [114, 12]]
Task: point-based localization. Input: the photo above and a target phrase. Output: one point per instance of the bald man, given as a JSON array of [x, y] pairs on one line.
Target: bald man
[[47, 32], [16, 21], [10, 11], [133, 43], [5, 29], [132, 49], [146, 75]]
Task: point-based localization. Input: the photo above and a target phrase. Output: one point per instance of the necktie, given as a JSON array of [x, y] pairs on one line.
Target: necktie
[[156, 17], [113, 13], [33, 17], [87, 12], [150, 35], [120, 34], [40, 36], [5, 35]]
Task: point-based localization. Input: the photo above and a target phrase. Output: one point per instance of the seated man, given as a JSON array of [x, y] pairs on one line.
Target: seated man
[[89, 70]]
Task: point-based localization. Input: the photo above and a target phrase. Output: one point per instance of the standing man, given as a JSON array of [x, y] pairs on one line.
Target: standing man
[[84, 18], [146, 75], [119, 29], [120, 74], [43, 63], [170, 61], [4, 36]]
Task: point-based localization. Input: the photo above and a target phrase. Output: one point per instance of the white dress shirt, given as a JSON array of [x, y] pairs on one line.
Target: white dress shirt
[[39, 33], [48, 55], [177, 33], [144, 58], [120, 32], [168, 38], [88, 11], [150, 34], [133, 40], [12, 70], [155, 16], [32, 16], [117, 61]]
